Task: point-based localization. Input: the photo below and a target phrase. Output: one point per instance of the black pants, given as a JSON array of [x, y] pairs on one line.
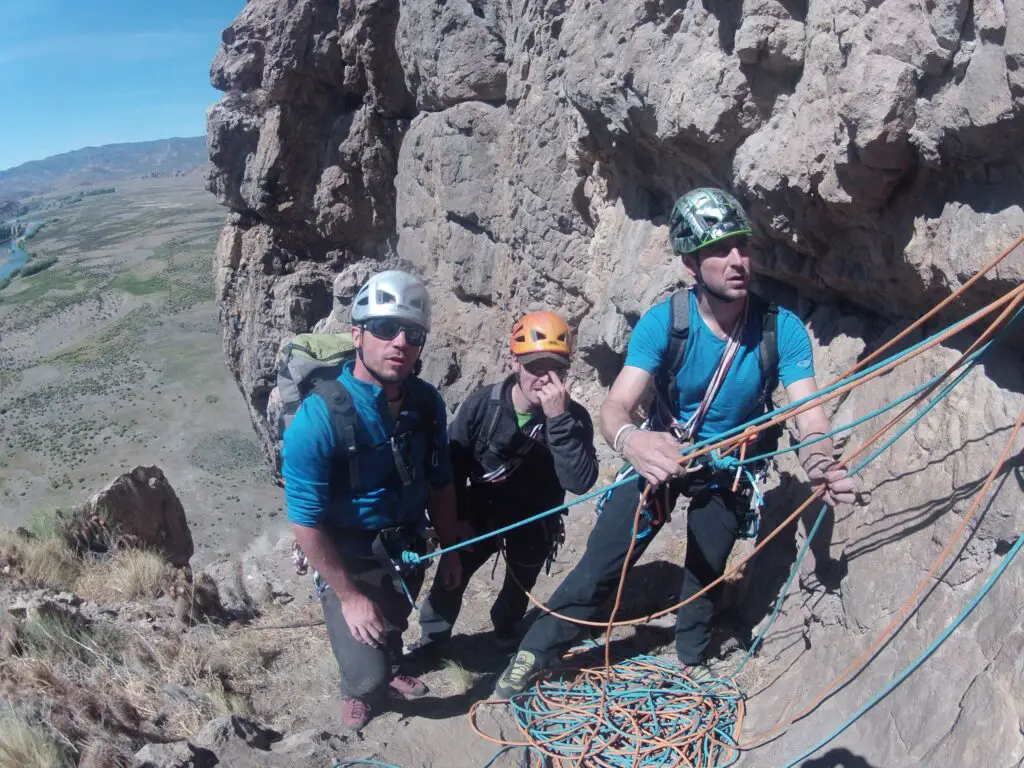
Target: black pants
[[365, 671], [713, 523], [526, 550]]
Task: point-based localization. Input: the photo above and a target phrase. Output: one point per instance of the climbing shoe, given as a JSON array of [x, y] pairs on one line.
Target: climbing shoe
[[355, 713], [523, 670], [408, 687]]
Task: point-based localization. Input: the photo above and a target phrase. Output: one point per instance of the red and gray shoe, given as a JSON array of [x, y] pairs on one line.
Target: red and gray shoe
[[408, 687], [355, 713]]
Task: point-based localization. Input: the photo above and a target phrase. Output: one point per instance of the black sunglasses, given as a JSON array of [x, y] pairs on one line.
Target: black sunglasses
[[386, 328], [540, 367]]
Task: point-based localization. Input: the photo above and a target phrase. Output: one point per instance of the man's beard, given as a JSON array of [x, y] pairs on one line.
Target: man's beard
[[381, 377]]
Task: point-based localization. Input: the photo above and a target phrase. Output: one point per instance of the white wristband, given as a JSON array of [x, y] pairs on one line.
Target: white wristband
[[620, 438]]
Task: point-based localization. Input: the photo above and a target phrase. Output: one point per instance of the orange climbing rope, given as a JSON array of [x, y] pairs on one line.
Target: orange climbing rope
[[698, 745], [906, 608], [1015, 298]]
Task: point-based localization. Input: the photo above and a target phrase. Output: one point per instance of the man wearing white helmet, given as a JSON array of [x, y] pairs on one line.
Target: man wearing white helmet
[[365, 458]]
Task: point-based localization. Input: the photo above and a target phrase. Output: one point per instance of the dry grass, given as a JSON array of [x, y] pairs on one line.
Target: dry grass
[[95, 681], [460, 678], [208, 672], [129, 574], [39, 562], [25, 745], [105, 689]]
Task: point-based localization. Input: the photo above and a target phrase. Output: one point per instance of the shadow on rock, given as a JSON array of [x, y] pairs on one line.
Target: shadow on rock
[[837, 758]]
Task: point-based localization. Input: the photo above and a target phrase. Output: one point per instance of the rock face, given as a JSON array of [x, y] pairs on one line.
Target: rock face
[[142, 505], [527, 155]]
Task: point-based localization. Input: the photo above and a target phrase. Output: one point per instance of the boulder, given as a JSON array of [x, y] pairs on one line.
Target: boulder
[[230, 731], [180, 754], [142, 506]]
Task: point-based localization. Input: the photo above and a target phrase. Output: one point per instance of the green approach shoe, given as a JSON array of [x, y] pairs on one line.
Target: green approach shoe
[[523, 670]]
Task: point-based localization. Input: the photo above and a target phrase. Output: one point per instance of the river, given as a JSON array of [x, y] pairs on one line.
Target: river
[[12, 256]]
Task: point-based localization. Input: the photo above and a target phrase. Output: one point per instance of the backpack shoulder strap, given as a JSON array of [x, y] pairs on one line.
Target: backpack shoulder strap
[[494, 406], [679, 332], [342, 413], [769, 347], [427, 407]]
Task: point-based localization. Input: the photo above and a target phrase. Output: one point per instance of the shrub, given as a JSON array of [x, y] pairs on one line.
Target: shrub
[[128, 574], [39, 562], [48, 524], [26, 745]]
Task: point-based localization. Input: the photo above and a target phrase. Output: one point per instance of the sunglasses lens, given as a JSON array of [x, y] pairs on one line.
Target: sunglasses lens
[[386, 330], [540, 368], [415, 335]]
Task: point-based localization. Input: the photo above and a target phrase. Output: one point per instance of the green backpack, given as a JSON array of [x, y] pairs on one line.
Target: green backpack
[[314, 361], [303, 362]]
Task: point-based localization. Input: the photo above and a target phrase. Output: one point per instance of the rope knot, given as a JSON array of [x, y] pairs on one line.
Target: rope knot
[[410, 558], [724, 463]]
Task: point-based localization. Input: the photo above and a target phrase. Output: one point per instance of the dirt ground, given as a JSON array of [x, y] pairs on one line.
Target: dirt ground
[[301, 691], [112, 358]]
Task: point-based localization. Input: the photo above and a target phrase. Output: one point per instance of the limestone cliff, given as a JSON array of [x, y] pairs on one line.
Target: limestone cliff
[[527, 154]]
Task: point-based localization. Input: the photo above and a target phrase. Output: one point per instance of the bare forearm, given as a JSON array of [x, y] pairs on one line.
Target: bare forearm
[[613, 417], [443, 514], [814, 423], [321, 552]]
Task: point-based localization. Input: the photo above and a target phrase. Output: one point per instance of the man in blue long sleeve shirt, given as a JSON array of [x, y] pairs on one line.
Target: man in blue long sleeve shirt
[[364, 458]]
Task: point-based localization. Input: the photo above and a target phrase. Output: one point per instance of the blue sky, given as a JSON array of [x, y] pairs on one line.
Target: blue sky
[[76, 73]]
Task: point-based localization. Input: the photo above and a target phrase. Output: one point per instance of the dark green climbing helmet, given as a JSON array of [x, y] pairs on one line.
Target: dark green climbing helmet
[[703, 217]]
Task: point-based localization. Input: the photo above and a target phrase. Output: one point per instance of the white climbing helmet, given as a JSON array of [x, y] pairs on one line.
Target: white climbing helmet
[[393, 294]]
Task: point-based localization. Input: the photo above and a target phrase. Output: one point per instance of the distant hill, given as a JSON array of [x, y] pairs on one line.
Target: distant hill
[[91, 166]]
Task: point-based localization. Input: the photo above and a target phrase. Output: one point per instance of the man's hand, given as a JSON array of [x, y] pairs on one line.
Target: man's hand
[[364, 619], [655, 455], [554, 398], [449, 570], [839, 486]]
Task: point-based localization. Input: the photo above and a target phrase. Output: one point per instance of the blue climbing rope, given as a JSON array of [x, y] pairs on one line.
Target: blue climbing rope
[[827, 390], [908, 670], [413, 558], [970, 363], [643, 711]]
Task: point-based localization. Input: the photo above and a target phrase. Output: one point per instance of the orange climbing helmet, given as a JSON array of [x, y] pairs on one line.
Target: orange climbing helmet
[[541, 334]]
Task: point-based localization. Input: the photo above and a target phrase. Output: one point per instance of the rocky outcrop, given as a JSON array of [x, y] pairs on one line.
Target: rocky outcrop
[[142, 507], [527, 155]]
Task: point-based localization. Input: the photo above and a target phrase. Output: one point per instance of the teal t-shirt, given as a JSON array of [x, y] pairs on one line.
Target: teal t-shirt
[[738, 400]]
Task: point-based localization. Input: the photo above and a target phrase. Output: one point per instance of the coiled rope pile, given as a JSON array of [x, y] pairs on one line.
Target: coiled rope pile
[[642, 711]]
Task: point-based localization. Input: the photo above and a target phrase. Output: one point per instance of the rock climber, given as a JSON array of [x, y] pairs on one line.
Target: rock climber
[[713, 355], [517, 446], [365, 458]]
